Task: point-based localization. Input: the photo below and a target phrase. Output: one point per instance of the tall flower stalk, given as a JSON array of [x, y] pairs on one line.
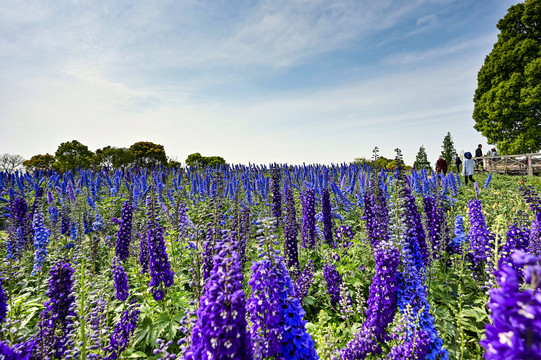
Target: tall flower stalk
[[159, 266], [220, 331]]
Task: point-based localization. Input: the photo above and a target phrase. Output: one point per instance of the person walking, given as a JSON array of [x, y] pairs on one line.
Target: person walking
[[479, 155], [467, 168], [441, 166], [458, 162]]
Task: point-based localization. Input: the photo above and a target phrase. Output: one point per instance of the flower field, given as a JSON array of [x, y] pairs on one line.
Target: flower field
[[269, 262]]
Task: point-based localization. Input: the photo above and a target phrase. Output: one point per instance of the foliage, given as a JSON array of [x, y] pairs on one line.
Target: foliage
[[113, 157], [148, 154], [421, 160], [508, 96], [71, 155], [197, 160], [10, 162], [39, 162], [449, 151]]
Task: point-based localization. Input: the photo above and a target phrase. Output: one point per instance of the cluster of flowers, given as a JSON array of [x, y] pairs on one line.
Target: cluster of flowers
[[327, 216], [381, 305], [220, 331], [291, 231], [159, 266], [437, 226], [309, 219], [41, 240], [376, 213], [515, 329], [334, 280], [122, 249], [480, 237]]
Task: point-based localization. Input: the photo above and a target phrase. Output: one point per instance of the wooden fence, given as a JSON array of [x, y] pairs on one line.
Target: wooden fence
[[523, 164]]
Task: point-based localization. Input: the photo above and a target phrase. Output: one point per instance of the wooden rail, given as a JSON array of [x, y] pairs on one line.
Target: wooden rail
[[522, 164]]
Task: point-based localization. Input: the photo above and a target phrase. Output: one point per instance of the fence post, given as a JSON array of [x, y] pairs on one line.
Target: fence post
[[530, 167], [505, 165]]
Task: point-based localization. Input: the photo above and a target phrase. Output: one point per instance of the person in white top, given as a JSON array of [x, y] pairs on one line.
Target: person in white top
[[467, 168]]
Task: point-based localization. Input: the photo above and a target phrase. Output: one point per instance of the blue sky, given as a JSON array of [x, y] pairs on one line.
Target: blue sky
[[252, 81]]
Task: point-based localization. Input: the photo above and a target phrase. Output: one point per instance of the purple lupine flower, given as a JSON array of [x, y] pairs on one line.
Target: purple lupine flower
[[41, 240], [71, 192], [13, 353], [412, 293], [264, 309], [333, 279], [208, 253], [487, 182], [3, 303], [143, 253], [376, 214], [290, 232], [480, 237], [57, 317], [276, 194], [183, 221], [122, 249], [517, 239], [417, 349], [304, 282], [456, 246], [382, 301], [327, 216], [220, 331], [476, 188], [309, 219], [278, 329], [159, 266], [65, 221], [534, 245], [515, 330], [121, 280], [437, 226], [96, 320], [120, 338]]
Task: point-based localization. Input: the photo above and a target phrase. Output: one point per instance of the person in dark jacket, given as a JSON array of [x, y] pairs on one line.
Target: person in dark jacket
[[458, 162], [479, 154], [441, 166]]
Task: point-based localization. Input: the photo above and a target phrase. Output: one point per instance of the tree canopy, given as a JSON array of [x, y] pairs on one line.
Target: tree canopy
[[421, 160], [448, 148], [148, 154], [196, 159], [508, 97], [113, 157], [39, 162], [72, 154]]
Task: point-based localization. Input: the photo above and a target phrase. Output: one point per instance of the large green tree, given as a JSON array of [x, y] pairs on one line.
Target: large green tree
[[421, 160], [148, 154], [113, 157], [72, 154], [196, 159], [508, 96], [448, 148], [39, 162]]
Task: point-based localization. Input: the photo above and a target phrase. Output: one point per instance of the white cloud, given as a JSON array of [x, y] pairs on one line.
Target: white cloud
[[426, 20]]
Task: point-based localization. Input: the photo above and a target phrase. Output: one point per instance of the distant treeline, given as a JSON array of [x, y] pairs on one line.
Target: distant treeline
[[72, 154]]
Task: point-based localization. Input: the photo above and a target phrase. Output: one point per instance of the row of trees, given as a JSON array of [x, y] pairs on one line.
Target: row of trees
[[72, 154]]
